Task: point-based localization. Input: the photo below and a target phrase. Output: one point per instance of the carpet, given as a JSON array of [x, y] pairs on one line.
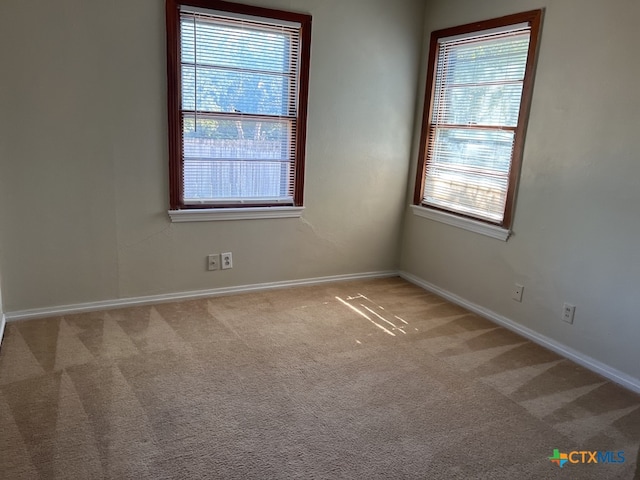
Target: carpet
[[367, 379]]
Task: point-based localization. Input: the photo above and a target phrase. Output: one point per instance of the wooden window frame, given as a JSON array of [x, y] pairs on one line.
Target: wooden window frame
[[534, 19], [174, 89]]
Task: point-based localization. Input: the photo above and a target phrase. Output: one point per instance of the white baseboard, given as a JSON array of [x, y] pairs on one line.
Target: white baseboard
[[172, 297], [3, 323], [596, 366]]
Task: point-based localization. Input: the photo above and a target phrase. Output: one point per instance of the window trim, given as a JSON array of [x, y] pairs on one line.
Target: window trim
[[176, 187], [465, 223], [534, 19], [222, 214]]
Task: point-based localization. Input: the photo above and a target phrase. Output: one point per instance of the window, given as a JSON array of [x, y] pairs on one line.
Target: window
[[479, 86], [237, 88]]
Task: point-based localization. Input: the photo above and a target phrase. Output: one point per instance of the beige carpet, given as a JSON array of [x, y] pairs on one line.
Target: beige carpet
[[357, 380]]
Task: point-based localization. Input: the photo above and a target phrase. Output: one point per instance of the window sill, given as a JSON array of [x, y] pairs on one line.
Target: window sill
[[220, 214], [475, 226]]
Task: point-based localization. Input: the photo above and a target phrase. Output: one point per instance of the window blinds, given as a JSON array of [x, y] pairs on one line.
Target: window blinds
[[475, 110], [239, 86]]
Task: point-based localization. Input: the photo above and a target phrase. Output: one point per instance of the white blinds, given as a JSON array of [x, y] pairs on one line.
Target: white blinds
[[239, 80], [475, 110]]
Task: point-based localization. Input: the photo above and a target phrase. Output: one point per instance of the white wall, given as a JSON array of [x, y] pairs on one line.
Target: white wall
[[83, 154], [577, 223]]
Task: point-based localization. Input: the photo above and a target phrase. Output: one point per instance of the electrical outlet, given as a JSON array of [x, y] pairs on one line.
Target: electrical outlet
[[227, 260], [213, 261], [516, 293], [568, 312]]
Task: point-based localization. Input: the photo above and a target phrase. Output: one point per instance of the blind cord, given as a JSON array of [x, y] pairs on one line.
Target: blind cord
[[195, 78]]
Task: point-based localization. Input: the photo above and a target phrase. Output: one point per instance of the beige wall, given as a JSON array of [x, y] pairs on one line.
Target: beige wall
[[83, 152], [577, 223]]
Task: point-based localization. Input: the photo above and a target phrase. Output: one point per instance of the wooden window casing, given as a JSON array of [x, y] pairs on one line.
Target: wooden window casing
[[473, 198], [185, 111]]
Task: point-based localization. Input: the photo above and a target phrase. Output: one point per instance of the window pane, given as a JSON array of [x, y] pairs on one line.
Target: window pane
[[215, 138], [240, 92], [469, 170], [481, 105], [466, 192], [235, 159], [235, 47], [490, 60], [480, 82], [232, 180], [476, 148]]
